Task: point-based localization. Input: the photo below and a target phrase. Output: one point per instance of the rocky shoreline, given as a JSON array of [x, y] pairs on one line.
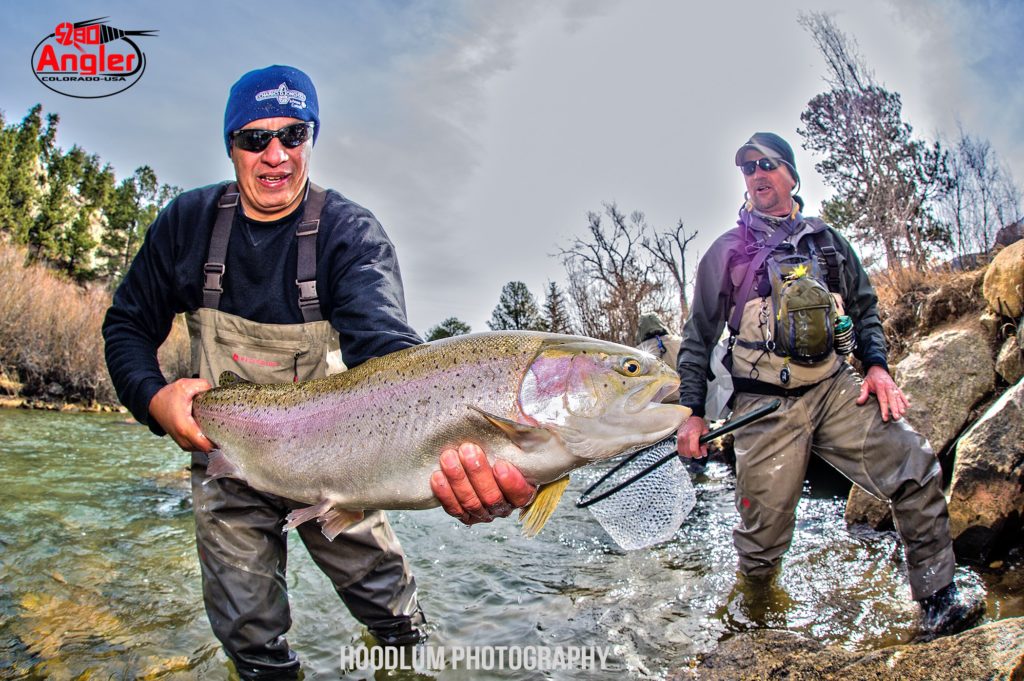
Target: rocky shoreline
[[991, 651], [67, 407]]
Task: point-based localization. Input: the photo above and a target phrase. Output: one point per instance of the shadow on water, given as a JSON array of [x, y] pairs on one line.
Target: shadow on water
[[99, 579]]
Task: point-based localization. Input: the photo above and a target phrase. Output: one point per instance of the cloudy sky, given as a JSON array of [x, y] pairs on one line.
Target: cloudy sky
[[482, 132]]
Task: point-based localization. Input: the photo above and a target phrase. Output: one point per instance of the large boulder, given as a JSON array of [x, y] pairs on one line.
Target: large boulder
[[944, 376], [941, 400], [993, 651], [986, 499], [958, 296], [1003, 285], [1010, 234]]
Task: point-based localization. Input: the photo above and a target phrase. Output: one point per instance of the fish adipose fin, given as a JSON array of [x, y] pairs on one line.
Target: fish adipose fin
[[221, 466], [332, 521], [537, 513], [527, 438]]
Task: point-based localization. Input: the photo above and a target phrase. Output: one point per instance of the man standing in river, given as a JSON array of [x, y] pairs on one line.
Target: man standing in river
[[277, 275], [797, 301]]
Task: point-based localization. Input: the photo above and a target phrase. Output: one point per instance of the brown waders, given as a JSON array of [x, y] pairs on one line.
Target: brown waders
[[888, 459], [242, 548]]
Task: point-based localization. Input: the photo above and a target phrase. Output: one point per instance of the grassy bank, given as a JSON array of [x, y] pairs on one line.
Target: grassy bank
[[51, 349]]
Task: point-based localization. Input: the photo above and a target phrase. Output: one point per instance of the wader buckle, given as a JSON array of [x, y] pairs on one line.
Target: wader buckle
[[214, 272]]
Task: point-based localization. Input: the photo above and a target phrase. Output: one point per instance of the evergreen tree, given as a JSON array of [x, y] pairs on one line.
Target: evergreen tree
[[448, 328], [885, 179], [517, 309], [24, 151], [556, 312], [131, 208]]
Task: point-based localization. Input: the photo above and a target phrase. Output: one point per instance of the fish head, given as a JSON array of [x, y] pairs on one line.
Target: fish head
[[600, 398]]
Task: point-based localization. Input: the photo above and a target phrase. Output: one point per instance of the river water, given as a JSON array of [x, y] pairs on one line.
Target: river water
[[99, 577]]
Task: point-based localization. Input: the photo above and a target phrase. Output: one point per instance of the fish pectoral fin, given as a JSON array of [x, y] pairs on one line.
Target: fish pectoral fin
[[336, 521], [220, 466], [543, 505], [527, 438], [230, 378], [333, 521]]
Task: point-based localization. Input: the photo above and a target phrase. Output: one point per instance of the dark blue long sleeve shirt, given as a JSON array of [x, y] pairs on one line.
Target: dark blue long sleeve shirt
[[358, 282]]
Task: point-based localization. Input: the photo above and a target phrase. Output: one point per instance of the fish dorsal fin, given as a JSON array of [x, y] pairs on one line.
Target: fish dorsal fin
[[230, 378], [527, 438], [537, 513]]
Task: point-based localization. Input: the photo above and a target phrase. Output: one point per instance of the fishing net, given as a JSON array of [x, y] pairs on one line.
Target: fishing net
[[648, 510], [644, 499]]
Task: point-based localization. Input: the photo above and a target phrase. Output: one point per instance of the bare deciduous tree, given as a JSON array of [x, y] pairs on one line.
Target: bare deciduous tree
[[982, 196], [613, 277], [669, 248]]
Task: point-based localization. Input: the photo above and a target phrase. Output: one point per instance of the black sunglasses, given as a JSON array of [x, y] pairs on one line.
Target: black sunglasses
[[257, 140], [766, 164]]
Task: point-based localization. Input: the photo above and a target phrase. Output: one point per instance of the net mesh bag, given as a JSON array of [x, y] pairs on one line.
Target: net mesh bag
[[650, 509]]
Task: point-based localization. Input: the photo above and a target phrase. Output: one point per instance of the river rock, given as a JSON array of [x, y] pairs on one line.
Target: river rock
[[864, 509], [1010, 361], [1003, 285], [940, 399], [1009, 234], [991, 324], [945, 375], [992, 651], [953, 299], [986, 500]]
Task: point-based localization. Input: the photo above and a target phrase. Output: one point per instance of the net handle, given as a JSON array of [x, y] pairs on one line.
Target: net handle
[[730, 426]]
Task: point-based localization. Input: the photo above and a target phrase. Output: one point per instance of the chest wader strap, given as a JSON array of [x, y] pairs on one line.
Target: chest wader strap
[[213, 270], [305, 233], [774, 240], [832, 268]]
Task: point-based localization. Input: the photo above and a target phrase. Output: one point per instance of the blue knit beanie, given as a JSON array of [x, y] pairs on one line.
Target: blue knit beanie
[[274, 92]]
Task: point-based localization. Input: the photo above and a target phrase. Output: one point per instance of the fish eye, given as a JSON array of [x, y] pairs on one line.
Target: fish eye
[[631, 367]]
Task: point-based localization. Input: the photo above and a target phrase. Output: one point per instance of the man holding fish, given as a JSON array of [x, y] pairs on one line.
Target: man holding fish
[[282, 282]]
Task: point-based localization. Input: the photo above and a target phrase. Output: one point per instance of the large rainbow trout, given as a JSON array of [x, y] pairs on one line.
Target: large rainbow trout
[[370, 437]]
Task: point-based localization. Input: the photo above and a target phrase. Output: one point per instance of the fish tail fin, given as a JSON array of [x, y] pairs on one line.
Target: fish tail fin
[[537, 513], [220, 466]]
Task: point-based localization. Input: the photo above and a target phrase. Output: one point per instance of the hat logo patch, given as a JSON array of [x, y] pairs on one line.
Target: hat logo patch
[[284, 95]]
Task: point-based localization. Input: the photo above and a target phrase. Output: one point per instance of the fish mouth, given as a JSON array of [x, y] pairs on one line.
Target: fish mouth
[[664, 392], [650, 395]]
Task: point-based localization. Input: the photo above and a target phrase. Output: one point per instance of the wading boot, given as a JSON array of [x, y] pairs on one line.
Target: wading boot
[[947, 611], [400, 631]]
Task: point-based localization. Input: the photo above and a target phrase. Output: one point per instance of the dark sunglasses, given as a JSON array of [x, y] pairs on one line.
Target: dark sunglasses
[[257, 140], [766, 164]]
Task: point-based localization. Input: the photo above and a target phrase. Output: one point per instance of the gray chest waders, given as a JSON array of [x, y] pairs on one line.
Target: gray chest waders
[[242, 549]]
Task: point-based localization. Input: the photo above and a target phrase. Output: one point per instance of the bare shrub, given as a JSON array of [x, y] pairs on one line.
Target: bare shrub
[[913, 303], [50, 334]]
